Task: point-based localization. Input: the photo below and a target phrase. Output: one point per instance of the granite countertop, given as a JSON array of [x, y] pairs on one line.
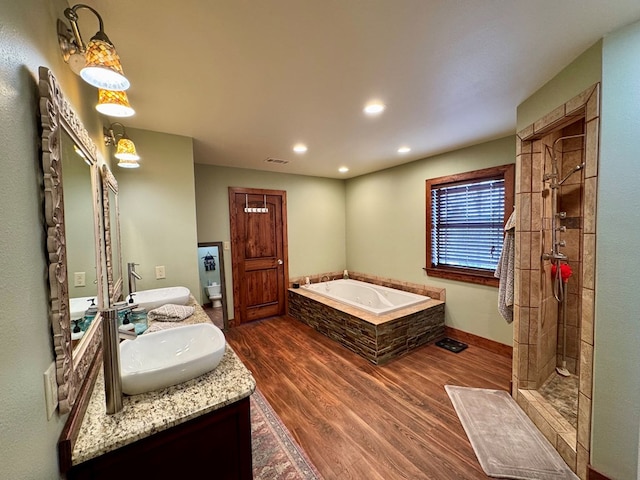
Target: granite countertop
[[149, 413]]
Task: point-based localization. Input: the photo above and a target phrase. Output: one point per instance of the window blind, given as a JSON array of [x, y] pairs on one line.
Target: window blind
[[467, 224]]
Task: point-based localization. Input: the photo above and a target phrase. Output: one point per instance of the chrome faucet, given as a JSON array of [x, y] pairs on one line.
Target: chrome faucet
[[325, 276], [133, 275], [111, 335]]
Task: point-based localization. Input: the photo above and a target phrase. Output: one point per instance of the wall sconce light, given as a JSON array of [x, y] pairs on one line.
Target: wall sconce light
[[114, 103], [97, 62], [125, 148]]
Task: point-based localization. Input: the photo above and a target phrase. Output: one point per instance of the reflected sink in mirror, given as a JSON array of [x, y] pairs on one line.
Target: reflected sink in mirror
[[79, 305], [169, 357], [157, 297]]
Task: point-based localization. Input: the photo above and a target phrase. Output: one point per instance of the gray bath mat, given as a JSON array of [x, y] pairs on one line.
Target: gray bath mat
[[505, 440]]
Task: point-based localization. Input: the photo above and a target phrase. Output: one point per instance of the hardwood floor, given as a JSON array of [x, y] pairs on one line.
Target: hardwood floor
[[357, 420]]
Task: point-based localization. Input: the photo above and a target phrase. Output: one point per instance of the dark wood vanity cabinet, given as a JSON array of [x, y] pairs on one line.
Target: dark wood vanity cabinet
[[216, 446]]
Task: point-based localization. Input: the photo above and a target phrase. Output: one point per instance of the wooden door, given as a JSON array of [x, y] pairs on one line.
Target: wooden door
[[258, 252]]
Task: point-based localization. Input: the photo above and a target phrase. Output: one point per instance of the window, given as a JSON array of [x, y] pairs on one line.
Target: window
[[466, 214]]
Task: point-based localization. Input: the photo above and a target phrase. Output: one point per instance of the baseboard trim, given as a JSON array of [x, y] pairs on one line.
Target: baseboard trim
[[593, 474], [470, 338]]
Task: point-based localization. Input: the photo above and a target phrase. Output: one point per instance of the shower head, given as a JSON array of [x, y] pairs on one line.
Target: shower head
[[574, 170]]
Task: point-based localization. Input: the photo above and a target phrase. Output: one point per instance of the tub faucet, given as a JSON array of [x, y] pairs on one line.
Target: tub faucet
[[325, 276], [133, 275], [111, 336]]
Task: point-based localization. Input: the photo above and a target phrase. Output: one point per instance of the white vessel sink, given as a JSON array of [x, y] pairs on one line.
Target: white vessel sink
[[79, 305], [157, 297], [168, 357]]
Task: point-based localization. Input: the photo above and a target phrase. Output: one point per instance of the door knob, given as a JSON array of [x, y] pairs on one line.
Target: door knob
[[280, 262]]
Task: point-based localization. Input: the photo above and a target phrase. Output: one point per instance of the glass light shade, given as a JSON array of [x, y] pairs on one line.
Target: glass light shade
[[126, 150], [128, 164], [103, 68], [114, 103]]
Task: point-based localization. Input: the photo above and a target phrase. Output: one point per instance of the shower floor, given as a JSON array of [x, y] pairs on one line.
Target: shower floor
[[562, 393]]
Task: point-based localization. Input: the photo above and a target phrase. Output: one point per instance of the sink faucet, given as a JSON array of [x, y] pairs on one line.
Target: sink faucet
[[111, 335], [131, 269]]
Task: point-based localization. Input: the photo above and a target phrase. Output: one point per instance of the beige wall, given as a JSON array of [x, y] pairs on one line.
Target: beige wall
[[28, 40], [386, 233], [616, 382], [315, 216], [579, 75], [158, 211]]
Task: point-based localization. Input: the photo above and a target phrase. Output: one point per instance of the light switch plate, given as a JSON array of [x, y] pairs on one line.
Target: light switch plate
[[79, 279], [51, 390], [160, 274], [226, 245]]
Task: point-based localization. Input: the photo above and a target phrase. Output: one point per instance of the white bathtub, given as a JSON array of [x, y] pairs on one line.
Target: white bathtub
[[367, 296], [157, 297]]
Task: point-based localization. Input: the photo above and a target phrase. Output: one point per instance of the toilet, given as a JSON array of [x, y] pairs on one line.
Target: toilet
[[214, 295]]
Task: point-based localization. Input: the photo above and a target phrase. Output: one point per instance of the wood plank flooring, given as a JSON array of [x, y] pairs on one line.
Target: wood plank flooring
[[356, 420]]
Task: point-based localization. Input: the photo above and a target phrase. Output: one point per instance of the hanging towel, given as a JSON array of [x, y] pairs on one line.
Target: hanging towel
[[505, 270], [171, 313]]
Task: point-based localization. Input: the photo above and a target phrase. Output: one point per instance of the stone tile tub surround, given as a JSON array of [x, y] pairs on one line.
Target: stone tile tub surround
[[535, 318], [149, 413], [378, 338]]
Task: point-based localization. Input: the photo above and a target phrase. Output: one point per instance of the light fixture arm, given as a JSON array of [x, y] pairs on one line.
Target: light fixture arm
[[110, 137], [72, 16]]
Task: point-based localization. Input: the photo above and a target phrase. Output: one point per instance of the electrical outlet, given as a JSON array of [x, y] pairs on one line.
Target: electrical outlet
[[51, 390], [79, 279], [160, 274], [226, 245]]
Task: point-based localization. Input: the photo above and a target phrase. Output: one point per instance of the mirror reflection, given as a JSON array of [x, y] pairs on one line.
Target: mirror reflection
[[80, 238], [113, 248], [115, 245]]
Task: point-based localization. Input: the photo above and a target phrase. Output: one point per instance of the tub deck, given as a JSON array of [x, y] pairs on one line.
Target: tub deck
[[378, 338]]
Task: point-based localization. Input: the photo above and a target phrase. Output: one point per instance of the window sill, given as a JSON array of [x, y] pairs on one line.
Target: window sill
[[468, 276]]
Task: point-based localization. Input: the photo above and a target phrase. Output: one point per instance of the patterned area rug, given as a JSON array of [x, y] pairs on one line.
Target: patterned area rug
[[506, 442], [276, 456]]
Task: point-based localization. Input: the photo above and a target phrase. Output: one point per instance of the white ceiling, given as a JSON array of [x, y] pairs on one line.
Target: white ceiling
[[247, 79]]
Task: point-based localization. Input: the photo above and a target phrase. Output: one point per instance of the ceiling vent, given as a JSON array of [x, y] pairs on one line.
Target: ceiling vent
[[276, 161]]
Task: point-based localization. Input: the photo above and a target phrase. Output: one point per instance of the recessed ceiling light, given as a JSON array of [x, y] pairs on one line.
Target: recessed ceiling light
[[404, 150], [343, 169], [300, 148], [374, 108]]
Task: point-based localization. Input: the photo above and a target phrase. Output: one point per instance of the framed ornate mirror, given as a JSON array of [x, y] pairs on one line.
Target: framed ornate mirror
[[72, 208], [111, 215]]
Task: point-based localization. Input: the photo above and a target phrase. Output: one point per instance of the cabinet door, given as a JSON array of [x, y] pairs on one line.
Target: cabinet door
[[214, 446]]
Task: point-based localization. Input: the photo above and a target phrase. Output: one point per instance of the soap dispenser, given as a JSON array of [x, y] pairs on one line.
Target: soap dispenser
[[89, 314], [127, 326], [76, 332]]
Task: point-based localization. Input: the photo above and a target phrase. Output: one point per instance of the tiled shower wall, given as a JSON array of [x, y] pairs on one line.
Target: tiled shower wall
[[571, 201], [535, 346], [569, 153]]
